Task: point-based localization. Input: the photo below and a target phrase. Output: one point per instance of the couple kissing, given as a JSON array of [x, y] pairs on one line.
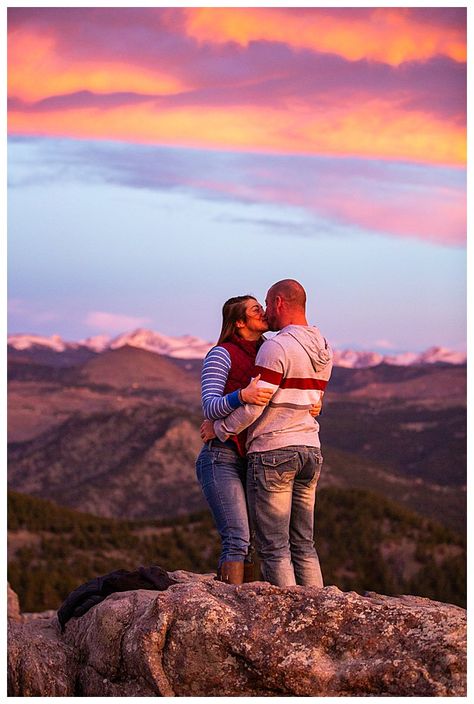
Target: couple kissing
[[261, 459]]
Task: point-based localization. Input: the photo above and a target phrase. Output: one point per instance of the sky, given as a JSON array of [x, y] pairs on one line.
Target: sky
[[162, 160]]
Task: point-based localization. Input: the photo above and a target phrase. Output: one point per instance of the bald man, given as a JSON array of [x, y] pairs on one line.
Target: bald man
[[283, 447]]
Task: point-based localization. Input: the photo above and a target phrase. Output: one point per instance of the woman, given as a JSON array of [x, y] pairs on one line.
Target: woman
[[221, 466]]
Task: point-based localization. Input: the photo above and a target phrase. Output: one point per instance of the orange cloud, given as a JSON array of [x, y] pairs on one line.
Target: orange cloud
[[391, 35], [377, 129], [92, 75], [373, 129], [36, 69]]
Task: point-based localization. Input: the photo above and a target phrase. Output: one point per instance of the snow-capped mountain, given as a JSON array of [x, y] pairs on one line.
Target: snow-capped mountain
[[98, 343], [25, 342], [359, 359], [404, 359], [184, 347], [356, 360], [189, 347], [441, 354]]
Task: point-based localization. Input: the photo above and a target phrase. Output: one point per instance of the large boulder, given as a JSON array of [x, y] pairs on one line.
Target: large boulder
[[13, 605], [40, 663], [205, 638]]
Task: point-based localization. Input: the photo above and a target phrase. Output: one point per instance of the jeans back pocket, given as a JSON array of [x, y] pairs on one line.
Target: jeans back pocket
[[278, 479], [279, 469]]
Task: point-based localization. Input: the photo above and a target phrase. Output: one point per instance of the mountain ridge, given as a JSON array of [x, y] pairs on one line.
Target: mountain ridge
[[190, 347]]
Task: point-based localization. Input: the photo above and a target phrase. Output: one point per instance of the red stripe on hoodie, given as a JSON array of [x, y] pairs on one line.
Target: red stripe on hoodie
[[272, 377], [268, 375], [300, 383]]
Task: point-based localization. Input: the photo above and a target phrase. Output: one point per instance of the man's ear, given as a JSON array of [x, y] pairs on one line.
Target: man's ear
[[239, 323]]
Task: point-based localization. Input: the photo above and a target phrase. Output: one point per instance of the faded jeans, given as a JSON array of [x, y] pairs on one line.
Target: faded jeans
[[221, 471], [281, 491]]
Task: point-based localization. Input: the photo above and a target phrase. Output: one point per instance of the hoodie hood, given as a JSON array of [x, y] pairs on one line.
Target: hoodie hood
[[314, 344]]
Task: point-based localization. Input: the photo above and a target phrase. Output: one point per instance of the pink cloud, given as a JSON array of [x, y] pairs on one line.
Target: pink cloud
[[388, 198], [376, 202], [113, 322], [437, 215]]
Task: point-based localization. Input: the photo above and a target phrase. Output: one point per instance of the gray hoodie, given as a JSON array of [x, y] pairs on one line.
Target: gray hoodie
[[297, 365]]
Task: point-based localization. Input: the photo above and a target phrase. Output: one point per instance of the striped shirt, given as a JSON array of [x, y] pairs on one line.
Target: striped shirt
[[214, 375]]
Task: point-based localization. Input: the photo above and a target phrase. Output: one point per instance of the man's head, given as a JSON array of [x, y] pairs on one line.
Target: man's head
[[286, 304]]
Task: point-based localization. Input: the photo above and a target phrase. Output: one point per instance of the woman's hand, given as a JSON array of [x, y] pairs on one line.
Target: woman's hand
[[316, 408], [252, 393], [207, 431]]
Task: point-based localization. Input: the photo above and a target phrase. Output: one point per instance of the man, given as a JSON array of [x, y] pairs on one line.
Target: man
[[284, 454]]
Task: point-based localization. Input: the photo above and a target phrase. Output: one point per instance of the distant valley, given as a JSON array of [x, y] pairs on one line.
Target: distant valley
[[115, 433]]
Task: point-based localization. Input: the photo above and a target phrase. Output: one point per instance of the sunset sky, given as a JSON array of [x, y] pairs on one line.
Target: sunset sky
[[162, 160]]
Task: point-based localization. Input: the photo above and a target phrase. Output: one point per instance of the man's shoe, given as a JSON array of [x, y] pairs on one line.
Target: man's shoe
[[231, 572]]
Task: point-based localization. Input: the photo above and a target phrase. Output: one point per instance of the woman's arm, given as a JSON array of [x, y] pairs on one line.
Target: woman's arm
[[214, 375]]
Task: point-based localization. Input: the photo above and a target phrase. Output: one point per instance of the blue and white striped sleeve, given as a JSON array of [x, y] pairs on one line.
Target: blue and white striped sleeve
[[214, 375]]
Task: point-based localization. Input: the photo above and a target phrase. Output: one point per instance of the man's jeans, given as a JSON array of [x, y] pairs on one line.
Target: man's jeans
[[281, 492], [221, 472]]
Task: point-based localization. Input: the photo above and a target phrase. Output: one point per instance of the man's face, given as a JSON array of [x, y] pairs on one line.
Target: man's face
[[270, 312]]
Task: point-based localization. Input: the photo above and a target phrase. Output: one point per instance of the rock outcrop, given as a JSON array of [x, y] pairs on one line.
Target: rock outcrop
[[205, 638], [13, 605]]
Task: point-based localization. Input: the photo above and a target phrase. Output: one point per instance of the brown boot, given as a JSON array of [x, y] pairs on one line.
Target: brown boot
[[232, 572], [249, 572]]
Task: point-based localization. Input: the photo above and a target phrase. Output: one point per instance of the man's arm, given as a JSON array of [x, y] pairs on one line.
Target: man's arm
[[270, 365], [237, 421]]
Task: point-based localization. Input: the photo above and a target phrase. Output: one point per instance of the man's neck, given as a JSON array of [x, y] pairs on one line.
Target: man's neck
[[293, 319]]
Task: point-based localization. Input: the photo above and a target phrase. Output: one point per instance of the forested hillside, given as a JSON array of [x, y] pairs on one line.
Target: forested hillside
[[364, 541]]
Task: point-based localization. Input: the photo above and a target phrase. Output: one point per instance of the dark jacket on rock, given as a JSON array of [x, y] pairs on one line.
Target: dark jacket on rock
[[91, 593]]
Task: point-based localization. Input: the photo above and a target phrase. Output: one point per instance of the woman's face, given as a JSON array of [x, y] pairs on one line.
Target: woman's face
[[255, 321]]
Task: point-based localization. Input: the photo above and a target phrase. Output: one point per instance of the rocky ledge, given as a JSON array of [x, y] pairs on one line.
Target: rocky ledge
[[204, 638]]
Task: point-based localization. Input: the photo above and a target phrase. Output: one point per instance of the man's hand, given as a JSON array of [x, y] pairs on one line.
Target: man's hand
[[252, 393], [316, 408], [207, 431]]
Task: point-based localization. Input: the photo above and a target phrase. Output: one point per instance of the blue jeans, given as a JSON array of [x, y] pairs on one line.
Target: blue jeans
[[222, 474], [281, 491]]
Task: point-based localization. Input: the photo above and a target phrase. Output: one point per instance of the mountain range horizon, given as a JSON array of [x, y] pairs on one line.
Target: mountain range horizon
[[192, 347]]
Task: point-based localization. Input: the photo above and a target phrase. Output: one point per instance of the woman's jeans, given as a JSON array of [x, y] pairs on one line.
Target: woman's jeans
[[222, 474]]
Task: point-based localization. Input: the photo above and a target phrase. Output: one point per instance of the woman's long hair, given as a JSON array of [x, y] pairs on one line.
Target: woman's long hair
[[232, 311]]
